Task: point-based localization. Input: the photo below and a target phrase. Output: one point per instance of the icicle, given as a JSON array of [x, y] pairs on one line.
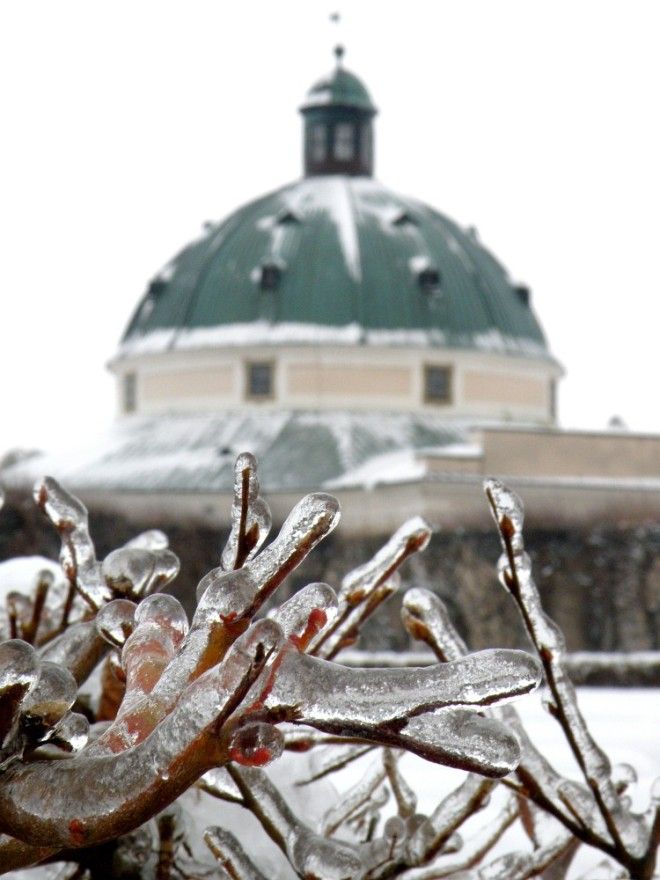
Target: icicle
[[425, 617], [116, 620], [77, 557], [231, 855], [250, 516]]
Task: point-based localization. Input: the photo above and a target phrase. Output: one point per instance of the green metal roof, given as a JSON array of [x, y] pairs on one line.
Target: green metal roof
[[341, 88], [351, 254]]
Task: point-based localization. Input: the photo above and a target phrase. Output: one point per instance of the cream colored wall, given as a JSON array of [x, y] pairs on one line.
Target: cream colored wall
[[484, 386], [570, 454]]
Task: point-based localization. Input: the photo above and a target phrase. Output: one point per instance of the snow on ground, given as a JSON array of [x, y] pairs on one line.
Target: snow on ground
[[624, 722]]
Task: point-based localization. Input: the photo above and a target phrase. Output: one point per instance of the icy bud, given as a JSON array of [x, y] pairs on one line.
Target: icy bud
[[19, 666], [411, 537], [623, 776], [256, 744], [394, 828], [77, 557], [71, 733], [425, 617], [167, 613], [53, 696], [305, 614], [250, 515], [19, 672], [115, 621], [128, 571], [508, 512]]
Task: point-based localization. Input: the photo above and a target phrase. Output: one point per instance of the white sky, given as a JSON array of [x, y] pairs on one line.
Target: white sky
[[126, 124]]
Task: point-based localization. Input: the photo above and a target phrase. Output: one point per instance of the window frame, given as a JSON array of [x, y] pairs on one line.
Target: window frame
[[343, 137], [257, 396], [129, 393], [430, 398]]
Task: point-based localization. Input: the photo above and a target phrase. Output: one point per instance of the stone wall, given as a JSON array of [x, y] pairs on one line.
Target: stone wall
[[601, 585]]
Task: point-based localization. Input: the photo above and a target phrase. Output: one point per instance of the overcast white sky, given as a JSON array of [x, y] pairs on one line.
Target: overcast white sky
[[126, 124]]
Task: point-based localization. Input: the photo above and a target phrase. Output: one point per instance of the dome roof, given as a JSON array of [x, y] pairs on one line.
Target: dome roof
[[335, 259], [340, 88]]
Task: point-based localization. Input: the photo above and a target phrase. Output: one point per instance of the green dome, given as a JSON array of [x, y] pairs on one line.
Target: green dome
[[336, 259], [341, 88]]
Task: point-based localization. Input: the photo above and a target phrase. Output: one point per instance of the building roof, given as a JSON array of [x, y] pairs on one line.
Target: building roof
[[341, 88], [355, 263], [299, 451]]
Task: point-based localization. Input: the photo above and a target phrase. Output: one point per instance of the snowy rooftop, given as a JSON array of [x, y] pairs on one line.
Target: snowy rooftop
[[296, 450]]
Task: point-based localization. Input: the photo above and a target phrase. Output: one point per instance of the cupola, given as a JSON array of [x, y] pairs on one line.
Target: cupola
[[338, 116]]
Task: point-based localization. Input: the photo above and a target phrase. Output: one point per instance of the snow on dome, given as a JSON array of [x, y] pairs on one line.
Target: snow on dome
[[346, 278]]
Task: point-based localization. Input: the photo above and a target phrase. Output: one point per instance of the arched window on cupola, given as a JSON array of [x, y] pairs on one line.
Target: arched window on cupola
[[338, 114]]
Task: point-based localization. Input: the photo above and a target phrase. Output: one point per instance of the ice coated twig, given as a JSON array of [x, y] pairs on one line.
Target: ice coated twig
[[231, 855], [448, 816], [250, 515], [406, 799], [78, 556], [359, 795], [115, 793], [365, 588], [393, 705], [632, 841]]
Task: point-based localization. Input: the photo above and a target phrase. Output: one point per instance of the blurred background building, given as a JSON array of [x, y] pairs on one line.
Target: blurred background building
[[361, 342]]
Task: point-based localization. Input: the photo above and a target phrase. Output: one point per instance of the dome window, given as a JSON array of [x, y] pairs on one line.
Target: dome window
[[286, 215], [403, 218], [318, 140], [524, 294], [437, 384], [428, 275], [270, 275], [429, 279], [344, 142], [130, 392], [259, 380]]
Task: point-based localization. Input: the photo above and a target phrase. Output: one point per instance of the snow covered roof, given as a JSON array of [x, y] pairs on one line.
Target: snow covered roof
[[296, 451], [357, 264]]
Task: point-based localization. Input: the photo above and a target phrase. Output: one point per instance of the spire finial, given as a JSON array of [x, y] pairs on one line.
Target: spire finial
[[339, 51]]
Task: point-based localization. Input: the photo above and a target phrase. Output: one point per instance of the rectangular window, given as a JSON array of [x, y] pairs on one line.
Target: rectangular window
[[344, 147], [260, 380], [318, 143], [437, 384], [130, 392]]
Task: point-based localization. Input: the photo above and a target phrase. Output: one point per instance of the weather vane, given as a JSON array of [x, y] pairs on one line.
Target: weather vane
[[335, 18]]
